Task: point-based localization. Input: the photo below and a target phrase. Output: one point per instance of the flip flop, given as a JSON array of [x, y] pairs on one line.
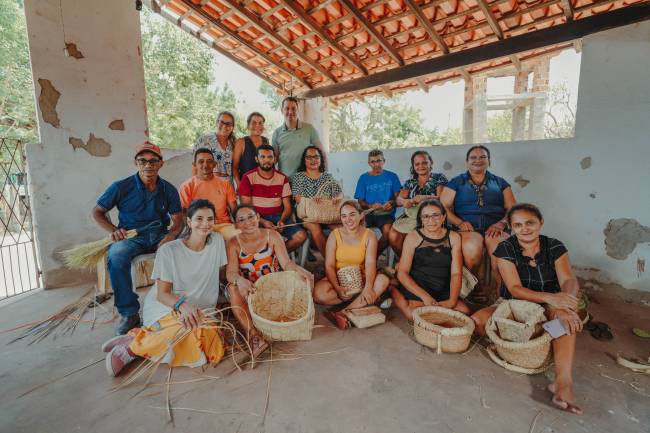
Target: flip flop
[[599, 330], [337, 318], [566, 406], [259, 346], [641, 333]]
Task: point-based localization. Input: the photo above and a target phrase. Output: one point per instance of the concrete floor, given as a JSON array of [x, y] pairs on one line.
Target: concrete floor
[[378, 380]]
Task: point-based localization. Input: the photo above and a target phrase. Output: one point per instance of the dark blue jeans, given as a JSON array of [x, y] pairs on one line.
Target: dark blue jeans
[[120, 255]]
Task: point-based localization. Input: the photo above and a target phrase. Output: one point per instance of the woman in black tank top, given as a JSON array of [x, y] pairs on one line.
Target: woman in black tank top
[[430, 269], [243, 157]]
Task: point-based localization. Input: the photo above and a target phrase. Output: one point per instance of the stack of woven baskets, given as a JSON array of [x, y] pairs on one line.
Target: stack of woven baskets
[[282, 307], [442, 329], [519, 340], [351, 278]]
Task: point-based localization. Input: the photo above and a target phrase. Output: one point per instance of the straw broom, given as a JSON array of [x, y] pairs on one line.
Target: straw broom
[[86, 256]]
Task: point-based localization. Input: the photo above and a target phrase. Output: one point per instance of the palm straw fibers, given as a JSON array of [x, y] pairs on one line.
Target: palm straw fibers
[[351, 279], [531, 354], [325, 210], [282, 307], [442, 329], [86, 256]]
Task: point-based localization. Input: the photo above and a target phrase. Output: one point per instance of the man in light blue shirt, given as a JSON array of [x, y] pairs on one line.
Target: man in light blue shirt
[[377, 190]]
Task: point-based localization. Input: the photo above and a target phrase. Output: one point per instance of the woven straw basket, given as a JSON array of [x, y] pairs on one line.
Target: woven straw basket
[[442, 329], [282, 307], [351, 278], [324, 211], [534, 353]]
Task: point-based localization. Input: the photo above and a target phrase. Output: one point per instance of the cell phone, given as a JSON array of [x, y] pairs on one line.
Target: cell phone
[[555, 327]]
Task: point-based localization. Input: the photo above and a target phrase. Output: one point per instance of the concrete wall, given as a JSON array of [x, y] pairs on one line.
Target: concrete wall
[[100, 81], [581, 183]]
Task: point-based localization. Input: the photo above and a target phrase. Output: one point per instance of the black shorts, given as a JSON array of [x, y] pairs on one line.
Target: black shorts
[[438, 295], [379, 220]]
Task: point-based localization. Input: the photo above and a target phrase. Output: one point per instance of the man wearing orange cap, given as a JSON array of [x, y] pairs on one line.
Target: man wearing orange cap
[[147, 203]]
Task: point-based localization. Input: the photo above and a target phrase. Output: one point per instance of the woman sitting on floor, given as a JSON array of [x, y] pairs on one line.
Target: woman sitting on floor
[[423, 185], [536, 268], [350, 245], [187, 280], [253, 253], [476, 203], [430, 269], [309, 180]]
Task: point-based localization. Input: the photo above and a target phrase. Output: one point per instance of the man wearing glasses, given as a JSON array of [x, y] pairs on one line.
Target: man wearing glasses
[[377, 191], [147, 203], [292, 137]]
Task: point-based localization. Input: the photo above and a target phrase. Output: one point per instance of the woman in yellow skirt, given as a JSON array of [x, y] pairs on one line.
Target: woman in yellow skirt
[[187, 281]]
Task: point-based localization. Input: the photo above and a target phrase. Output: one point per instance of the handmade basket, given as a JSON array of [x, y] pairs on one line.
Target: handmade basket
[[442, 329], [351, 278], [407, 222], [282, 307], [324, 210], [518, 320], [469, 281], [532, 354]]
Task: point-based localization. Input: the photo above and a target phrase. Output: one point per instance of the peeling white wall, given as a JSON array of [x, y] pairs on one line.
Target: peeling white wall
[[613, 128], [105, 85]]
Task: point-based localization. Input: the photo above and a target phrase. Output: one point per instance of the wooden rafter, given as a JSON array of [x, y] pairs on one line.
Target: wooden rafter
[[558, 34], [270, 33], [422, 85], [489, 17], [309, 22], [567, 9], [233, 35], [426, 24], [387, 46]]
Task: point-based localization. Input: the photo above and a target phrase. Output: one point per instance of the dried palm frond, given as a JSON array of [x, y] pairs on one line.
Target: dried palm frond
[[86, 256]]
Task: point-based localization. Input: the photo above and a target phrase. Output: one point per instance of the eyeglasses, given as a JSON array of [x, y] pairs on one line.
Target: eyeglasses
[[375, 161], [312, 157], [143, 162], [221, 122], [245, 218], [431, 216]]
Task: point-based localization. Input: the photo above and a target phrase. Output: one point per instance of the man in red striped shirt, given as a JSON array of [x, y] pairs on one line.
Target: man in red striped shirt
[[269, 192]]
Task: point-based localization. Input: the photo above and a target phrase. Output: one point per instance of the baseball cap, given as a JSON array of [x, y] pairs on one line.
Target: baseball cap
[[148, 146]]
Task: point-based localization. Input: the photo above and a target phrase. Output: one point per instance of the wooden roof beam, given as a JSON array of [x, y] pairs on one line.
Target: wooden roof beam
[[233, 35], [307, 20], [426, 24], [422, 85], [567, 8], [260, 24], [489, 17], [539, 39]]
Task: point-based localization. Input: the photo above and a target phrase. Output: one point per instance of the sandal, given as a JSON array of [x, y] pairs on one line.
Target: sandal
[[599, 330], [338, 318], [258, 346], [566, 406]]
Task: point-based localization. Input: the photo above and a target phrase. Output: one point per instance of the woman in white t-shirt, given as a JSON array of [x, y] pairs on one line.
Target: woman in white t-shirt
[[187, 280]]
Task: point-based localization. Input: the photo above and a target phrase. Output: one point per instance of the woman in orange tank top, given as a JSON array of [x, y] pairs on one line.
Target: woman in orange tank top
[[351, 245]]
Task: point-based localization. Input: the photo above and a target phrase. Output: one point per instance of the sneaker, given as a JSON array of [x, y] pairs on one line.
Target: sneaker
[[117, 359], [115, 341], [127, 323]]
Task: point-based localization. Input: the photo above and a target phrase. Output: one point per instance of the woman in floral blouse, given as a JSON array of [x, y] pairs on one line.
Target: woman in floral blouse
[[221, 144], [422, 185]]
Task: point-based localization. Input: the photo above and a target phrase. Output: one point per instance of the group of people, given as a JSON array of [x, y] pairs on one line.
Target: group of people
[[255, 185]]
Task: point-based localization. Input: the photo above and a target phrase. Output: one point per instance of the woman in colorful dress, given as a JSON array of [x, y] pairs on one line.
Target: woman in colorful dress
[[350, 245], [430, 270], [186, 272], [424, 184], [243, 156], [537, 268], [221, 144], [310, 180], [253, 253]]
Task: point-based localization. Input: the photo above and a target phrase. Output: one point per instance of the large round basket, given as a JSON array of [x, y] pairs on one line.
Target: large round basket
[[442, 329], [351, 278], [534, 353], [282, 307]]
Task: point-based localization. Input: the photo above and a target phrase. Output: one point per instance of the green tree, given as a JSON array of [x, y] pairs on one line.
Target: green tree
[[560, 118], [272, 98], [499, 126], [451, 136], [17, 110]]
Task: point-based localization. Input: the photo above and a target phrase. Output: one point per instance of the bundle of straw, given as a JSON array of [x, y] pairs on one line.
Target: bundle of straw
[[86, 256]]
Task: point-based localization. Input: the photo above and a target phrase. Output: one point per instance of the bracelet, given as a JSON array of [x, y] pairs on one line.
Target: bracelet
[[180, 302]]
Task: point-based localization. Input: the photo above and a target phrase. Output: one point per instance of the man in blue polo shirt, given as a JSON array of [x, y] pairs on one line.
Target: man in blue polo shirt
[[147, 203], [377, 190]]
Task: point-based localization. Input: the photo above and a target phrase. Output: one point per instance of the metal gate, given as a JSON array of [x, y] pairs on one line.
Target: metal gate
[[19, 270]]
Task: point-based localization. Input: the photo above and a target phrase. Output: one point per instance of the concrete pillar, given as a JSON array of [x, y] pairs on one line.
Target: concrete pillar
[[519, 112], [479, 109], [540, 92], [90, 95], [316, 112], [468, 112]]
